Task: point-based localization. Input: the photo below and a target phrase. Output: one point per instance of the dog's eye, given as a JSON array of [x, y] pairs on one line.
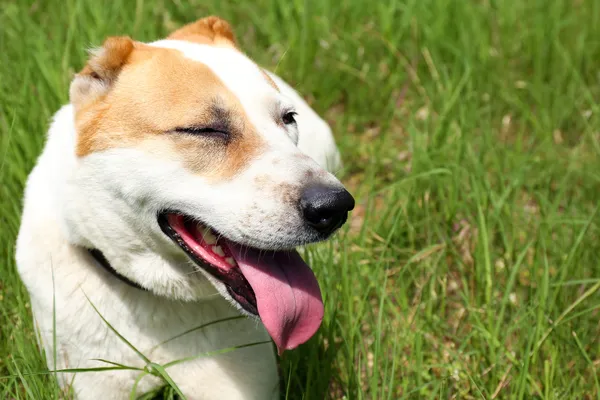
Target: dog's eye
[[288, 117], [209, 132]]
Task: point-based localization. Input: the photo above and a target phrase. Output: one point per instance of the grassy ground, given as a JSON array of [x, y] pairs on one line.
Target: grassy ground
[[471, 137]]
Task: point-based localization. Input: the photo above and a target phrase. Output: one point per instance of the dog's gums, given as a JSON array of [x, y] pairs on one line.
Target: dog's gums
[[201, 244], [277, 286]]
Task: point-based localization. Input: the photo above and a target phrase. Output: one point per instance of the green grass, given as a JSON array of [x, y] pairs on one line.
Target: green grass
[[471, 138]]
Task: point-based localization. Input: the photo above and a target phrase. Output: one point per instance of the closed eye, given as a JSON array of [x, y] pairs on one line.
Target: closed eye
[[203, 131], [288, 117]]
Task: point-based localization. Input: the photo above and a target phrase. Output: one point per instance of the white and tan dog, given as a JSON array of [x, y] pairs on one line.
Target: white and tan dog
[[172, 191]]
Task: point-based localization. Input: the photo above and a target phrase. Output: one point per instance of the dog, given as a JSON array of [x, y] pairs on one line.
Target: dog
[[167, 202]]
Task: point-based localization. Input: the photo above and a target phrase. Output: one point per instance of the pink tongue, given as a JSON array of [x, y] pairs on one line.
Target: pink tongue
[[287, 293]]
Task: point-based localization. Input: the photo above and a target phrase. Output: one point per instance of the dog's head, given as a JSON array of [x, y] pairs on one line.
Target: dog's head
[[186, 151]]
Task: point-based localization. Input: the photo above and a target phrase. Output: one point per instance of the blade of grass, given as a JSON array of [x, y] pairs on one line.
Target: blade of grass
[[116, 364], [131, 346], [70, 370], [589, 361], [214, 353], [200, 327], [160, 370], [509, 285], [584, 296]]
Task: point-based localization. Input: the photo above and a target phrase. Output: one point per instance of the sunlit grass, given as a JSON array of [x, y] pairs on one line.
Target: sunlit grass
[[470, 137]]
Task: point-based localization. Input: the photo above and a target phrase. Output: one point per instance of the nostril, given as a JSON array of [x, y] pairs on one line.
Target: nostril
[[321, 223], [326, 208], [325, 224], [322, 220]]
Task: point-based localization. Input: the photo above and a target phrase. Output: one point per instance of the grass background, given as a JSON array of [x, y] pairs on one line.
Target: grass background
[[471, 139]]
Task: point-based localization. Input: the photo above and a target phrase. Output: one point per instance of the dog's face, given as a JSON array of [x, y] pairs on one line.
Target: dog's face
[[188, 173]]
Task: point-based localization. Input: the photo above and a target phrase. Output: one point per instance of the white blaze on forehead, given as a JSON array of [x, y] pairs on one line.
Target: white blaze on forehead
[[261, 101]]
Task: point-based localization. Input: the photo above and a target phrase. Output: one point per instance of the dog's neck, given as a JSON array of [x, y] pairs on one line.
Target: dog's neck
[[103, 262]]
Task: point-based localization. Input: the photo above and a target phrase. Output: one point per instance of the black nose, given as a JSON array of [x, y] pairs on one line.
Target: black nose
[[325, 208]]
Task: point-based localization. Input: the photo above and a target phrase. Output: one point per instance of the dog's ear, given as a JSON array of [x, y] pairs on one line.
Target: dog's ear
[[101, 71], [209, 30]]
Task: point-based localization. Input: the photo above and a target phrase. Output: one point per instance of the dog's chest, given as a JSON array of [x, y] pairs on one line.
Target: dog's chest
[[188, 335]]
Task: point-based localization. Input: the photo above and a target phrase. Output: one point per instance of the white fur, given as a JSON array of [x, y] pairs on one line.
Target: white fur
[[108, 200]]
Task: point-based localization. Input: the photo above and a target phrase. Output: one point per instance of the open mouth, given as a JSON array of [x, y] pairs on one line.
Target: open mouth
[[277, 286], [210, 251]]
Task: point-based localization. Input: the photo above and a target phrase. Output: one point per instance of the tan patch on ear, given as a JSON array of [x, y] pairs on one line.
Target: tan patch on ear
[[157, 91], [106, 62], [209, 30], [101, 70]]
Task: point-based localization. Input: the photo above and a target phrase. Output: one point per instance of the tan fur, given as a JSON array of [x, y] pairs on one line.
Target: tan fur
[[270, 80], [108, 61], [210, 30], [101, 70], [151, 92]]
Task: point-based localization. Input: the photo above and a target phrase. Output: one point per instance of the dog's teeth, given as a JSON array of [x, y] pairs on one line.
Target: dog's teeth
[[231, 261], [218, 251], [208, 236]]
